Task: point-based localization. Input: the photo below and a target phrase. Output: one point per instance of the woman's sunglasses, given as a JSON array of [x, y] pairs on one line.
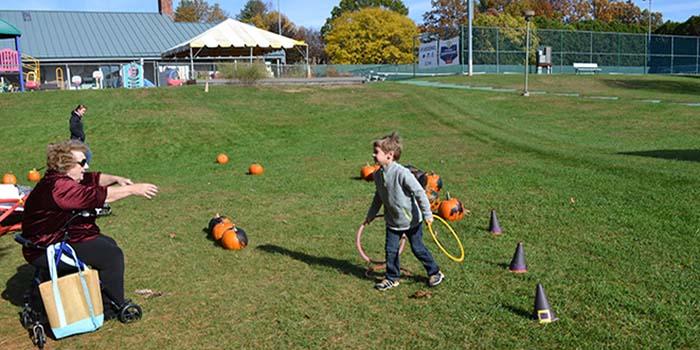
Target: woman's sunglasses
[[82, 162]]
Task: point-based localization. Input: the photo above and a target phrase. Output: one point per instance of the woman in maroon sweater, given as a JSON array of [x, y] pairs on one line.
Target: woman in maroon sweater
[[65, 188]]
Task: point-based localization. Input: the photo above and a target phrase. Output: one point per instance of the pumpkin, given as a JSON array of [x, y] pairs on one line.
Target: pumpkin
[[367, 171], [451, 209], [255, 169], [217, 220], [234, 239], [222, 158], [434, 199], [34, 175], [9, 179], [433, 181], [219, 229]]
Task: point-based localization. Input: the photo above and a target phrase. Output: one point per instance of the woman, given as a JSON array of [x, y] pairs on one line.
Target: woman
[[66, 188]]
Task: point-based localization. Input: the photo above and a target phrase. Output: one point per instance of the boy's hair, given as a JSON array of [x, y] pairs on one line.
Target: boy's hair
[[59, 156], [79, 107], [390, 143]]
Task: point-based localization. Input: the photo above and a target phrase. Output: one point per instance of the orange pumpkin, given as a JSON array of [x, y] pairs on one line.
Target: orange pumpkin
[[222, 158], [9, 179], [434, 199], [256, 169], [234, 239], [34, 175], [451, 209], [217, 220], [219, 229], [433, 181], [367, 171]]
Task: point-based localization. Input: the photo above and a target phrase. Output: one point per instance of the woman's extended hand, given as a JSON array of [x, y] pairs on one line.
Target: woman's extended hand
[[145, 189]]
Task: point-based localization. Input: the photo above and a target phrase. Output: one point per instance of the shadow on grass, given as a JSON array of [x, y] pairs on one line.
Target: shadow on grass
[[518, 311], [343, 266], [688, 155], [18, 284], [687, 87]]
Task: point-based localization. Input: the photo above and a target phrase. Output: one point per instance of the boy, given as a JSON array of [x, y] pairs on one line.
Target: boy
[[405, 207]]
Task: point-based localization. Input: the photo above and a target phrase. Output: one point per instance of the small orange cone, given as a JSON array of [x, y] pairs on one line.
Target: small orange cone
[[494, 227], [543, 312], [517, 264]]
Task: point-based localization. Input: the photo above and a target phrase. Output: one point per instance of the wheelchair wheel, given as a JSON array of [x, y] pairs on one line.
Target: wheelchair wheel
[[25, 318], [130, 312], [38, 335]]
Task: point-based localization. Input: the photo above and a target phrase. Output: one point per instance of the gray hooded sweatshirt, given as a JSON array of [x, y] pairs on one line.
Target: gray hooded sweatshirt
[[404, 199]]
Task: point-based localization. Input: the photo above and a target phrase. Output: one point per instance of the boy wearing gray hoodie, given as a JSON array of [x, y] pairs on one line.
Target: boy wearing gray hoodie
[[405, 207]]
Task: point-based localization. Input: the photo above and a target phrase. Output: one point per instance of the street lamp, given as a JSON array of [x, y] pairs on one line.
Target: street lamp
[[648, 45], [528, 17]]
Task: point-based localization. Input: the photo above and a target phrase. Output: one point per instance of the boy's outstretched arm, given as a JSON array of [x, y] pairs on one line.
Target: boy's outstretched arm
[[373, 209]]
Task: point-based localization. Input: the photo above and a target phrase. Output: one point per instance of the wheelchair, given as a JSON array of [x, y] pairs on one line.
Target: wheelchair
[[34, 319]]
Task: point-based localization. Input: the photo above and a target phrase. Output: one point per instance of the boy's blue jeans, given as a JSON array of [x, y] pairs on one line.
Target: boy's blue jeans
[[415, 238]]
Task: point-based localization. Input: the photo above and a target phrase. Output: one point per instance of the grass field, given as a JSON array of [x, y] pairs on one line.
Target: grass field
[[604, 195]]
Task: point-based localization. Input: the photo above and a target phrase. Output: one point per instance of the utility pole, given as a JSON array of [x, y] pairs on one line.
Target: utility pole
[[279, 19]]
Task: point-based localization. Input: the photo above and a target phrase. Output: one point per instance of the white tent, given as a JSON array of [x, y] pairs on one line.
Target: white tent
[[232, 38]]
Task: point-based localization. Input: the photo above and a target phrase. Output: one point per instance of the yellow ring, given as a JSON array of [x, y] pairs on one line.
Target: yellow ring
[[461, 248]]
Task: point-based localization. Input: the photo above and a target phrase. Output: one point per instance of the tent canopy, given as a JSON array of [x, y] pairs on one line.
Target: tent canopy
[[8, 31], [232, 38]]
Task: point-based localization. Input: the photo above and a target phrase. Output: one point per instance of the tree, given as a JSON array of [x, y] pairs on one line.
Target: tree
[[251, 9], [511, 34], [199, 11], [371, 36], [354, 5], [312, 37], [446, 17]]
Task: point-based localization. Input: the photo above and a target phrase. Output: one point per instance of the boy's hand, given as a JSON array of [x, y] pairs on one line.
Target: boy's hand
[[367, 221], [429, 221]]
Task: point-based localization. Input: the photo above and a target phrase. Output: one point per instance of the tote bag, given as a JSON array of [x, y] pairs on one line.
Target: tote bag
[[73, 302]]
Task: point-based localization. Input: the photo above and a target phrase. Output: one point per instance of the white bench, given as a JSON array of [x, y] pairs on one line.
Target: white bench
[[586, 68]]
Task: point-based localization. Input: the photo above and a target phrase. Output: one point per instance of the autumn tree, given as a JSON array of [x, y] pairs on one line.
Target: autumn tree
[[371, 36], [511, 32], [199, 11], [445, 17], [251, 9], [354, 5], [312, 38]]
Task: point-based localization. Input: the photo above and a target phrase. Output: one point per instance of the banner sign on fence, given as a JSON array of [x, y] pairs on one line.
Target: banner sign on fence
[[449, 52], [427, 55]]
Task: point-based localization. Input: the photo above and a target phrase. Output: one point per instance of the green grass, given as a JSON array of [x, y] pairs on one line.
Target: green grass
[[607, 213]]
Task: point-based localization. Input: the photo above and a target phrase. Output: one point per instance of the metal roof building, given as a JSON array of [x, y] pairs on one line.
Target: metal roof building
[[70, 36]]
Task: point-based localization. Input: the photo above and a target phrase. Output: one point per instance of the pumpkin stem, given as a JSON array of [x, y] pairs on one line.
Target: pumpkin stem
[[448, 196]]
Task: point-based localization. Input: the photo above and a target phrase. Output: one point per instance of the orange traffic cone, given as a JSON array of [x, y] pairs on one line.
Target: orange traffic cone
[[543, 312], [517, 264], [494, 227]]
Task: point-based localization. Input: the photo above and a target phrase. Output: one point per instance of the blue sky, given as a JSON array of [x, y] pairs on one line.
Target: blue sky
[[309, 13]]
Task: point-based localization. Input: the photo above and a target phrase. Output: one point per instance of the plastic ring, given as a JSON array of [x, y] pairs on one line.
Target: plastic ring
[[461, 247], [358, 244]]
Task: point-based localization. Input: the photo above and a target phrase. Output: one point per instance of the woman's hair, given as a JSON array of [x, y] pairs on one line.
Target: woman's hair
[[59, 156], [390, 143], [79, 107]]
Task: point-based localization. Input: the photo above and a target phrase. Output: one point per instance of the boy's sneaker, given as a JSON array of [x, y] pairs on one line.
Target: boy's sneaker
[[436, 279], [386, 284]]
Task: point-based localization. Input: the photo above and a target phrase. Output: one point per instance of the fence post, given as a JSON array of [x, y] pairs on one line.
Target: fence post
[[590, 60], [561, 51], [672, 37], [647, 47], [697, 55], [498, 67]]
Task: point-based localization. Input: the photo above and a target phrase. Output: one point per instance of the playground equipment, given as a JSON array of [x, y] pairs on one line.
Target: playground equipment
[[439, 227], [59, 78], [33, 77]]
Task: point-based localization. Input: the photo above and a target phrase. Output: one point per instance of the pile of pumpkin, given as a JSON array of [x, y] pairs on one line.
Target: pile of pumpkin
[[450, 209], [253, 169], [224, 231], [10, 178]]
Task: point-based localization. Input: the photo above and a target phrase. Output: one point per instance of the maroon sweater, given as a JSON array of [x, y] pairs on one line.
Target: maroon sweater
[[51, 204]]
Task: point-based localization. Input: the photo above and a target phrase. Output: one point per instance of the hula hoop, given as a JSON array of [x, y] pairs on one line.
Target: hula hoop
[[461, 248], [358, 244]]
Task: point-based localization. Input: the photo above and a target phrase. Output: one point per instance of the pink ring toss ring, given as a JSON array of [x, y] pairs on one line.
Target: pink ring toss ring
[[358, 244]]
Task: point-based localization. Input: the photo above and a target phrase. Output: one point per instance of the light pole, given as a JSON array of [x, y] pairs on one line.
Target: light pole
[[279, 19], [528, 16], [647, 47]]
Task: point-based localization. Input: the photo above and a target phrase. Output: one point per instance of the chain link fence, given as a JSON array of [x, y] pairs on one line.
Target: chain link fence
[[501, 50]]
